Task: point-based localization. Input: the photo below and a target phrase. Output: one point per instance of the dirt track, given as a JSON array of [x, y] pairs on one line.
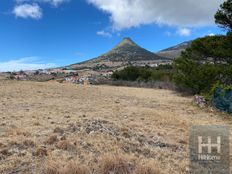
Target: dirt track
[[41, 121]]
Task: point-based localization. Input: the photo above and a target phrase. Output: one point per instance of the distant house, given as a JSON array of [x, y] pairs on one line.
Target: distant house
[[45, 71], [72, 79], [107, 73], [20, 77], [154, 65]]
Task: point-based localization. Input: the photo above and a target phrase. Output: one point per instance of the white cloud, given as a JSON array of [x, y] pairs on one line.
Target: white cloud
[[104, 33], [184, 32], [28, 63], [57, 2], [31, 9], [211, 34], [53, 2], [28, 11], [181, 13]]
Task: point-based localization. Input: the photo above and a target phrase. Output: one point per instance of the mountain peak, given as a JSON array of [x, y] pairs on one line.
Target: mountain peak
[[126, 41], [128, 50]]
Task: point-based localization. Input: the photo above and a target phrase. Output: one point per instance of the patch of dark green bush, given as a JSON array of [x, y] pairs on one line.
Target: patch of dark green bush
[[162, 73], [220, 97]]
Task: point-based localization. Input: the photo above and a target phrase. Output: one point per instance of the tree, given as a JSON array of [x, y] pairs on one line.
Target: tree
[[223, 17], [207, 61], [144, 74], [128, 74], [211, 49], [195, 77]]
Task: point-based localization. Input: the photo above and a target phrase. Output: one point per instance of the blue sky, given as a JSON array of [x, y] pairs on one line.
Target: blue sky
[[46, 33]]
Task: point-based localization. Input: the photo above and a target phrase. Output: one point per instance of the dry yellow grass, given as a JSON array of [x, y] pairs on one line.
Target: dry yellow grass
[[53, 167], [147, 169], [65, 122], [115, 164]]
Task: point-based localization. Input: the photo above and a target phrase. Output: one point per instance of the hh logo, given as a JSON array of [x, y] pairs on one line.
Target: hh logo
[[209, 145], [209, 149]]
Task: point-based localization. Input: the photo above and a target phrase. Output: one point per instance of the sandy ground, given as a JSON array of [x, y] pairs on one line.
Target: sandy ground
[[51, 121]]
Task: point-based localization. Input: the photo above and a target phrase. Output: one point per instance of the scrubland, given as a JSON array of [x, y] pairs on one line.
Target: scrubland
[[54, 128]]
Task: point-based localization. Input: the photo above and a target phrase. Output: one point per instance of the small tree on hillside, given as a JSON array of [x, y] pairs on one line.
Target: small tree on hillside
[[223, 17]]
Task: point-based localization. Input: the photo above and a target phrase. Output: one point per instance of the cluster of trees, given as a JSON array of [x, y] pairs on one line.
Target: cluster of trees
[[208, 61], [145, 74]]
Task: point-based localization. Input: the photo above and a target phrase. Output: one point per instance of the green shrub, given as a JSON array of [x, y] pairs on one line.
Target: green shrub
[[144, 74], [128, 74]]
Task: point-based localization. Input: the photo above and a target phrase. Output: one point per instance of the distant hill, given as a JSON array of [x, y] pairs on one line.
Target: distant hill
[[126, 52], [174, 51]]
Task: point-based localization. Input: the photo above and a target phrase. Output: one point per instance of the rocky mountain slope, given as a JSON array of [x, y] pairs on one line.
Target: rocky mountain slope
[[174, 51], [126, 52]]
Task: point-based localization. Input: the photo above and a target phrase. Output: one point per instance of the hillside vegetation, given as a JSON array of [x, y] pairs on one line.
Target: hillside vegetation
[[145, 74]]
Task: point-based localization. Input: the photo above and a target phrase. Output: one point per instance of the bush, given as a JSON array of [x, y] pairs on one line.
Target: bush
[[128, 74], [145, 74], [221, 98], [197, 77]]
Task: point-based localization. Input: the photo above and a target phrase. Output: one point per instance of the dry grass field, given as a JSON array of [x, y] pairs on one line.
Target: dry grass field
[[53, 128]]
